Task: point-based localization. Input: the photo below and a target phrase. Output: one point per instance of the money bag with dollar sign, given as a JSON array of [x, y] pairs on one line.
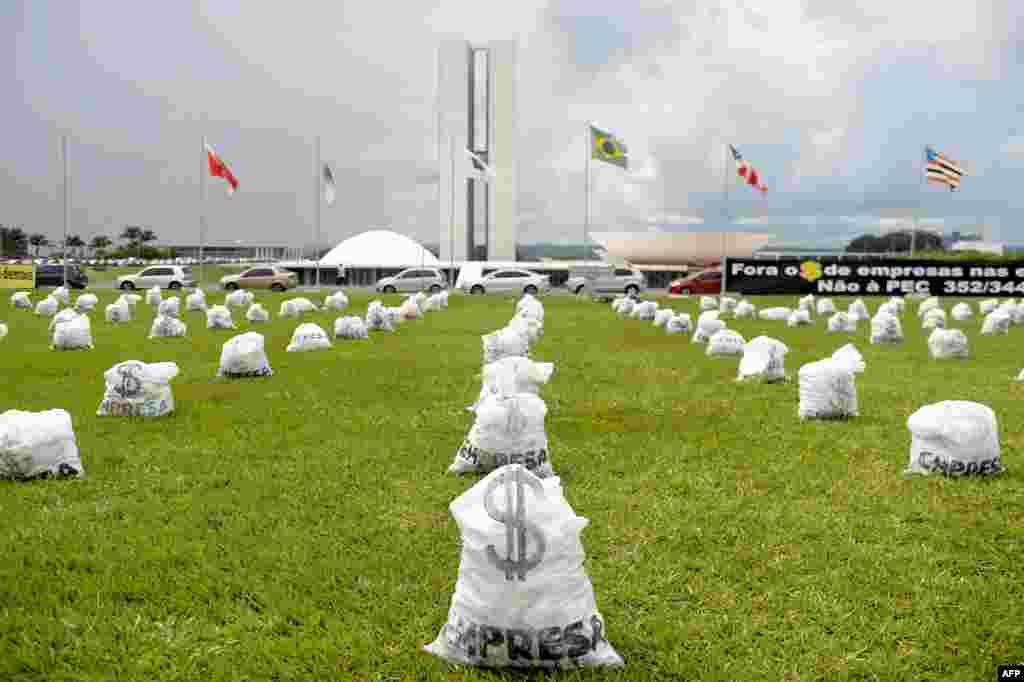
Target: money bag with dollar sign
[[522, 599]]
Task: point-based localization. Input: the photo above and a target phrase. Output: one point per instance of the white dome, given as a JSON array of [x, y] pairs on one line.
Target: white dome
[[379, 247]]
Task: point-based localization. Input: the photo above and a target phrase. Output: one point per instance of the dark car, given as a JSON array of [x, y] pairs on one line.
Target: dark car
[[51, 275]]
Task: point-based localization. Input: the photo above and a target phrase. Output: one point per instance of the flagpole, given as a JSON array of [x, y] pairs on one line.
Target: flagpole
[[913, 233], [202, 206], [64, 254], [586, 191], [451, 208], [316, 195], [725, 212]]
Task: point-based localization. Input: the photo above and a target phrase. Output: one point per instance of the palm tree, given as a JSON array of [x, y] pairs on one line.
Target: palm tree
[[99, 242], [145, 237], [38, 240], [74, 242], [13, 241]]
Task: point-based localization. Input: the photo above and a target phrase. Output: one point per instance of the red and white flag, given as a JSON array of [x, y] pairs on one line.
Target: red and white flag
[[219, 169], [747, 172]]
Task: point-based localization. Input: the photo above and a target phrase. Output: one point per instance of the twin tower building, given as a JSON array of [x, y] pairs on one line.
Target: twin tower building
[[476, 110]]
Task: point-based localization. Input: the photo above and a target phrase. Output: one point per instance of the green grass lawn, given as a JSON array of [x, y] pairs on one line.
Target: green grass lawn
[[296, 527]]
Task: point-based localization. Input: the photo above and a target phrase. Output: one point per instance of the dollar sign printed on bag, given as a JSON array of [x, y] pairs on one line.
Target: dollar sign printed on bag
[[130, 385], [517, 527]]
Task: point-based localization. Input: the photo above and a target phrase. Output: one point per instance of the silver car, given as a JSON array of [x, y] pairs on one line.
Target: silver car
[[163, 276], [623, 280], [509, 281], [412, 280]]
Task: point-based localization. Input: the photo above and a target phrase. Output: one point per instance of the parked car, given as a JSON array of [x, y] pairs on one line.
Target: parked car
[[53, 276], [509, 280], [623, 280], [705, 282], [412, 280], [261, 277], [163, 276]]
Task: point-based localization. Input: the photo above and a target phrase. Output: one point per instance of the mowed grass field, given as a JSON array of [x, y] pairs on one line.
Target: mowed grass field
[[296, 527]]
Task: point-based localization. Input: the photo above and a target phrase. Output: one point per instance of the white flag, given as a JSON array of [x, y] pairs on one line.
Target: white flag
[[478, 168]]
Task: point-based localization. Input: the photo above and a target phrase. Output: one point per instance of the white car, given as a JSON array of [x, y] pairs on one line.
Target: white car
[[509, 281], [623, 281], [163, 276]]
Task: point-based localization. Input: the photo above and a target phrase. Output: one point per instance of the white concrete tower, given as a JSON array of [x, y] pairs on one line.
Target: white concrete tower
[[477, 111]]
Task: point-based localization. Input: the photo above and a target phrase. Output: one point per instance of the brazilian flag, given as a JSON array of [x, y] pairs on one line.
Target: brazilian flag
[[606, 147]]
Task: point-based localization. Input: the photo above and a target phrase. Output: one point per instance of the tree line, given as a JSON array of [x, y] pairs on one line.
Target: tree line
[[16, 243], [896, 242]]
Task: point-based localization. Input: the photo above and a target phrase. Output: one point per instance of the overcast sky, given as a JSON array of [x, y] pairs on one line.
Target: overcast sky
[[831, 100]]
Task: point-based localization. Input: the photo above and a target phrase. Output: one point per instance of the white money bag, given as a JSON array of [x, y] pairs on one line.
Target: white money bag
[[827, 387], [20, 299], [170, 307], [244, 356], [138, 389], [744, 309], [725, 342], [955, 437], [47, 307], [708, 303], [308, 337], [825, 306], [645, 310], [219, 317], [377, 317], [703, 333], [928, 304], [86, 302], [662, 317], [947, 343], [196, 301], [842, 323], [38, 445], [257, 313], [336, 301], [679, 324], [934, 318], [886, 328], [522, 598], [778, 314], [799, 317], [350, 327], [513, 375], [74, 334], [165, 325], [858, 310], [508, 429], [529, 306], [763, 358], [533, 329], [153, 296], [505, 343], [961, 311]]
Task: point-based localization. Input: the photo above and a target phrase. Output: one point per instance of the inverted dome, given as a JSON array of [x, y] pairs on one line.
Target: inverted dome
[[379, 247]]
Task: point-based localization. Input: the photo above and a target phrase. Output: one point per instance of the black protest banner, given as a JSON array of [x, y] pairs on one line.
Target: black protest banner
[[881, 277]]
